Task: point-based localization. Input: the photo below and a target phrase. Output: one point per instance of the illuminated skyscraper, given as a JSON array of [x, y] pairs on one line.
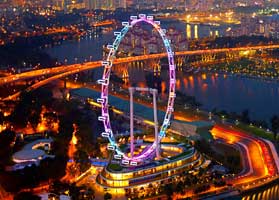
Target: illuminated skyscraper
[[91, 4], [69, 5], [105, 4], [120, 4], [18, 2]]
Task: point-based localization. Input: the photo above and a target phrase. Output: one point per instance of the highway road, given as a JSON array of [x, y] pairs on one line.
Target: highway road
[[261, 160]]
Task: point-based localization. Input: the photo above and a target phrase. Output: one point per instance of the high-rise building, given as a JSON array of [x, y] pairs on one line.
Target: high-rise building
[[18, 2], [158, 4], [120, 4], [91, 4], [105, 4], [70, 5], [129, 3]]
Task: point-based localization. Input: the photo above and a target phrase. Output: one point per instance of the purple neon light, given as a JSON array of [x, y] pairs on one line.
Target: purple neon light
[[105, 82]]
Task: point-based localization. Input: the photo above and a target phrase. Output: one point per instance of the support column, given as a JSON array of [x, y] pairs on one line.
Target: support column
[[65, 84], [155, 91], [131, 90]]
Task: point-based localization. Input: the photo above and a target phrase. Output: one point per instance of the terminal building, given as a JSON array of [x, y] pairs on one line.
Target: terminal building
[[193, 130], [31, 154], [160, 171]]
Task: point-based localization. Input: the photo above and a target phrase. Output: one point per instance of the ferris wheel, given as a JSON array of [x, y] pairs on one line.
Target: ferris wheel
[[103, 100]]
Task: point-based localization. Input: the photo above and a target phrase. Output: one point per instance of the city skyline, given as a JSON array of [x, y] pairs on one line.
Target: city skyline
[[144, 4]]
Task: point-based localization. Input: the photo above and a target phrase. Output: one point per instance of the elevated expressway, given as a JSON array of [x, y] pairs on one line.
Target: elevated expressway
[[92, 65], [66, 70]]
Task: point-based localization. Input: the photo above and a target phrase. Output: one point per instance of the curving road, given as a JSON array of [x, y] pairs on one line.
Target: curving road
[[262, 159]]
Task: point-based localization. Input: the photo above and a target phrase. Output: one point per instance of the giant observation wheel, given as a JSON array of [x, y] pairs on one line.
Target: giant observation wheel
[[107, 64]]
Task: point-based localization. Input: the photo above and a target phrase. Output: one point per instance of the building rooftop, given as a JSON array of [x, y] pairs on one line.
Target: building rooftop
[[27, 155], [198, 124], [30, 151], [35, 143]]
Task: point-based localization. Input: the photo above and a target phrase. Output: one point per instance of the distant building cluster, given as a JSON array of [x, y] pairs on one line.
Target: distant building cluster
[[29, 18], [188, 5], [196, 5], [185, 5], [69, 5], [267, 26], [140, 41]]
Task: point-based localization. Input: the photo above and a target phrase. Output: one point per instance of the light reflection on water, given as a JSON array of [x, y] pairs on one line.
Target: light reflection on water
[[213, 91], [271, 193], [231, 93]]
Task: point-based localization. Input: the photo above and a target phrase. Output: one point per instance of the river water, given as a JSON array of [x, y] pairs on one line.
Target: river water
[[78, 51], [231, 93]]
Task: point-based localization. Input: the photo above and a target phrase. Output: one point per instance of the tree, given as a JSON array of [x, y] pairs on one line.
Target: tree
[[107, 196], [34, 119], [168, 190], [90, 193], [2, 117], [26, 196], [245, 118], [57, 186], [180, 187], [74, 191], [82, 159], [6, 139], [29, 107], [274, 125]]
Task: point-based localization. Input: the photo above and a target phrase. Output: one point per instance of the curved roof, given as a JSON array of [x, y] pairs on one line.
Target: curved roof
[[26, 155]]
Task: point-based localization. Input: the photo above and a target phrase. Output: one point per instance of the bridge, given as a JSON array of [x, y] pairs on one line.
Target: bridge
[[74, 68], [66, 70], [103, 23]]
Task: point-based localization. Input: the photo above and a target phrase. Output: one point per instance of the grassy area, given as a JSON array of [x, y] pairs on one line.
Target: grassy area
[[179, 138], [115, 167], [221, 153], [256, 131], [225, 149], [188, 152], [229, 156], [123, 147]]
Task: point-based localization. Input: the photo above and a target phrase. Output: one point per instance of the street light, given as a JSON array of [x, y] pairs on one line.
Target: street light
[[223, 118], [236, 122]]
